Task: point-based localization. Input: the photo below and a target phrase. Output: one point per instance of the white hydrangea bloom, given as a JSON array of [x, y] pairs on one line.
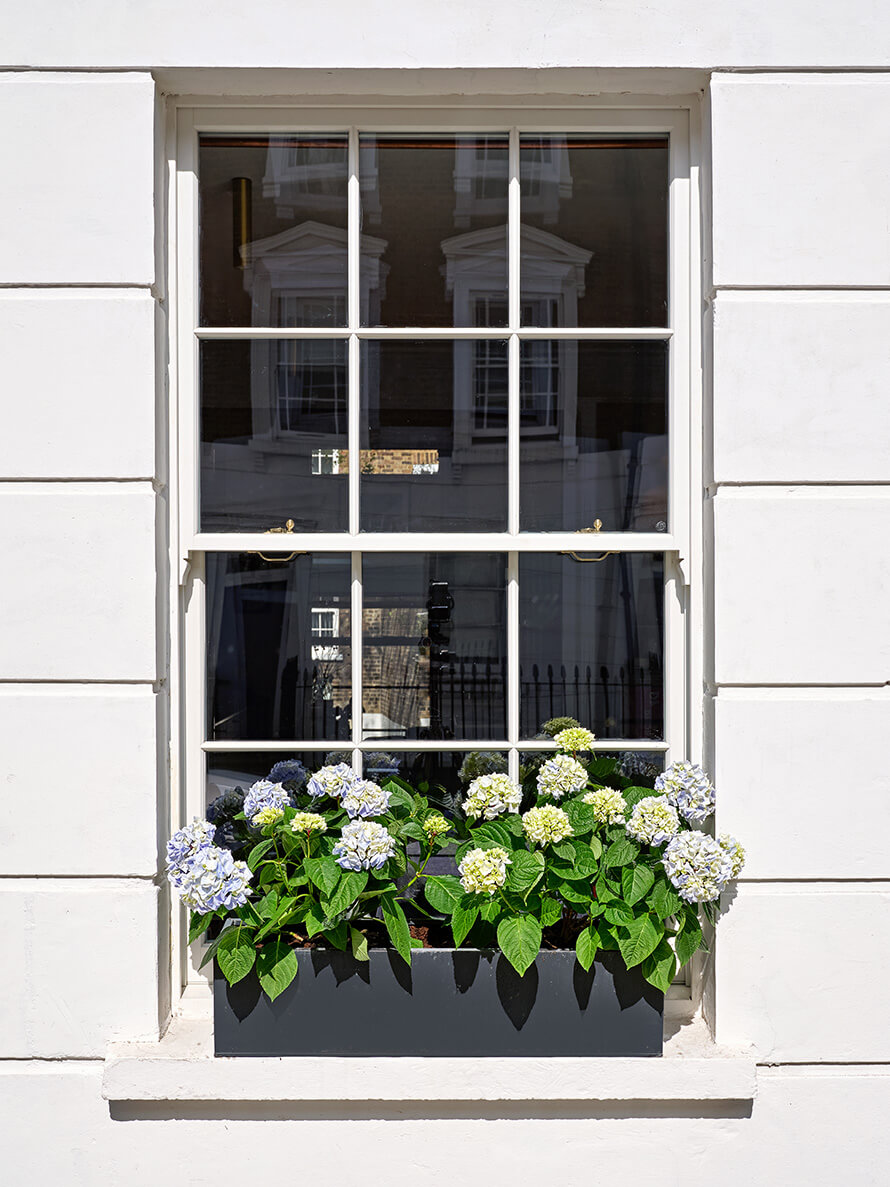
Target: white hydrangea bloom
[[575, 740], [309, 822], [483, 871], [653, 821], [491, 795], [734, 851], [689, 789], [331, 780], [363, 845], [263, 795], [435, 825], [213, 880], [547, 825], [609, 806], [561, 775], [698, 866], [364, 798]]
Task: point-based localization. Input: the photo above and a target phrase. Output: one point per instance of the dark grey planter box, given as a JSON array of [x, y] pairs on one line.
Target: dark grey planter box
[[449, 1003]]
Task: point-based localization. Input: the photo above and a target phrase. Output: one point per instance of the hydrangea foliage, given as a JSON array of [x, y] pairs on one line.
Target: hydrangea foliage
[[577, 854]]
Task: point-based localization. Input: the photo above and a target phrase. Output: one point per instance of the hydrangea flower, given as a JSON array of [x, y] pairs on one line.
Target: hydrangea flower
[[185, 844], [262, 795], [653, 821], [638, 765], [225, 806], [364, 798], [609, 806], [575, 740], [698, 866], [363, 845], [555, 724], [561, 775], [483, 871], [481, 762], [308, 822], [491, 795], [689, 789], [435, 825], [547, 825], [289, 770], [734, 851], [267, 816], [213, 880], [333, 781]]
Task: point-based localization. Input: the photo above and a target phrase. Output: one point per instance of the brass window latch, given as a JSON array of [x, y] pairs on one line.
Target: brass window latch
[[287, 530], [595, 530]]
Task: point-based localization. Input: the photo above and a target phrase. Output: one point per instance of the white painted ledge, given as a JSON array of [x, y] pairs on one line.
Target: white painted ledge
[[182, 1067]]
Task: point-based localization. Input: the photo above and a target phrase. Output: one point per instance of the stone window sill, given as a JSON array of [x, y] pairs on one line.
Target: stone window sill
[[182, 1067]]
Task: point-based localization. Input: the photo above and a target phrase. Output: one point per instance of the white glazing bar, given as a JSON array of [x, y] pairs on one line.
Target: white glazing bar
[[436, 745], [599, 333], [354, 239], [513, 260], [583, 543], [513, 661], [356, 632]]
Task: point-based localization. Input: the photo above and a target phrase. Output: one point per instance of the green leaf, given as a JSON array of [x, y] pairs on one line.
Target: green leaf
[[525, 871], [350, 886], [565, 850], [210, 951], [359, 943], [324, 873], [276, 966], [198, 924], [633, 795], [580, 816], [660, 968], [519, 938], [635, 882], [689, 938], [413, 830], [551, 912], [643, 937], [621, 853], [601, 768], [492, 833], [338, 935], [513, 825], [399, 799], [596, 846], [586, 947], [314, 920], [586, 863], [465, 915], [257, 852], [618, 912], [236, 953], [397, 927], [443, 893], [490, 910], [663, 899], [268, 905], [573, 893]]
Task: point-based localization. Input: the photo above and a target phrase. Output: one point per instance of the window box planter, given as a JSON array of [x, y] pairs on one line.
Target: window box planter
[[448, 1002]]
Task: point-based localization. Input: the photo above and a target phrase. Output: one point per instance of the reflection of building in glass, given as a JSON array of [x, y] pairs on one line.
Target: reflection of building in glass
[[299, 172]]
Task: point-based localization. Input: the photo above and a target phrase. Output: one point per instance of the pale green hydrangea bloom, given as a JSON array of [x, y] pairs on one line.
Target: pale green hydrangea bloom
[[484, 871], [491, 795], [653, 821], [575, 740], [267, 816], [609, 806], [734, 852], [547, 825], [435, 825], [309, 822]]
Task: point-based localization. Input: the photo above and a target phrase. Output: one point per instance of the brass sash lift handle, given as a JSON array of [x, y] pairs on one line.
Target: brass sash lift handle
[[287, 530], [597, 527]]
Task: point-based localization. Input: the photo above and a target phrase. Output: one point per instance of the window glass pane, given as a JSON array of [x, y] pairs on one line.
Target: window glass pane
[[434, 448], [434, 646], [273, 435], [591, 643], [594, 231], [434, 230], [273, 230], [594, 436], [278, 647]]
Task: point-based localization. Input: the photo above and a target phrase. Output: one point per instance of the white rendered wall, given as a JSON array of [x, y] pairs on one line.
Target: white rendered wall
[[797, 676]]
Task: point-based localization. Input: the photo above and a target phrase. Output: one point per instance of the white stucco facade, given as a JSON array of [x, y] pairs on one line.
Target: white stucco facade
[[788, 107]]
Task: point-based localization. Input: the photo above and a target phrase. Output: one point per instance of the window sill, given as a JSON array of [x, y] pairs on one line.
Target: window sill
[[182, 1067]]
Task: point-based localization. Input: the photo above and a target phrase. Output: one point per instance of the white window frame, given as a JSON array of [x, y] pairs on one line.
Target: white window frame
[[680, 545]]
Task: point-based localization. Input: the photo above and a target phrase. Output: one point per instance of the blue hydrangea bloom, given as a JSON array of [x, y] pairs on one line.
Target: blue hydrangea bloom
[[689, 789], [334, 781], [225, 806], [264, 794], [184, 845], [212, 880], [289, 770]]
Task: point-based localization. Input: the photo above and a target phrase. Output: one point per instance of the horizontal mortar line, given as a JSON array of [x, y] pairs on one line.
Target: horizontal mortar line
[[155, 877], [716, 289], [154, 685], [885, 880], [92, 479], [814, 70], [866, 1063], [828, 483], [799, 684], [62, 285], [96, 1059]]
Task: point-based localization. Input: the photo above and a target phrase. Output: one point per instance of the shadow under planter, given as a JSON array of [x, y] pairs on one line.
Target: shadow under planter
[[464, 1002]]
